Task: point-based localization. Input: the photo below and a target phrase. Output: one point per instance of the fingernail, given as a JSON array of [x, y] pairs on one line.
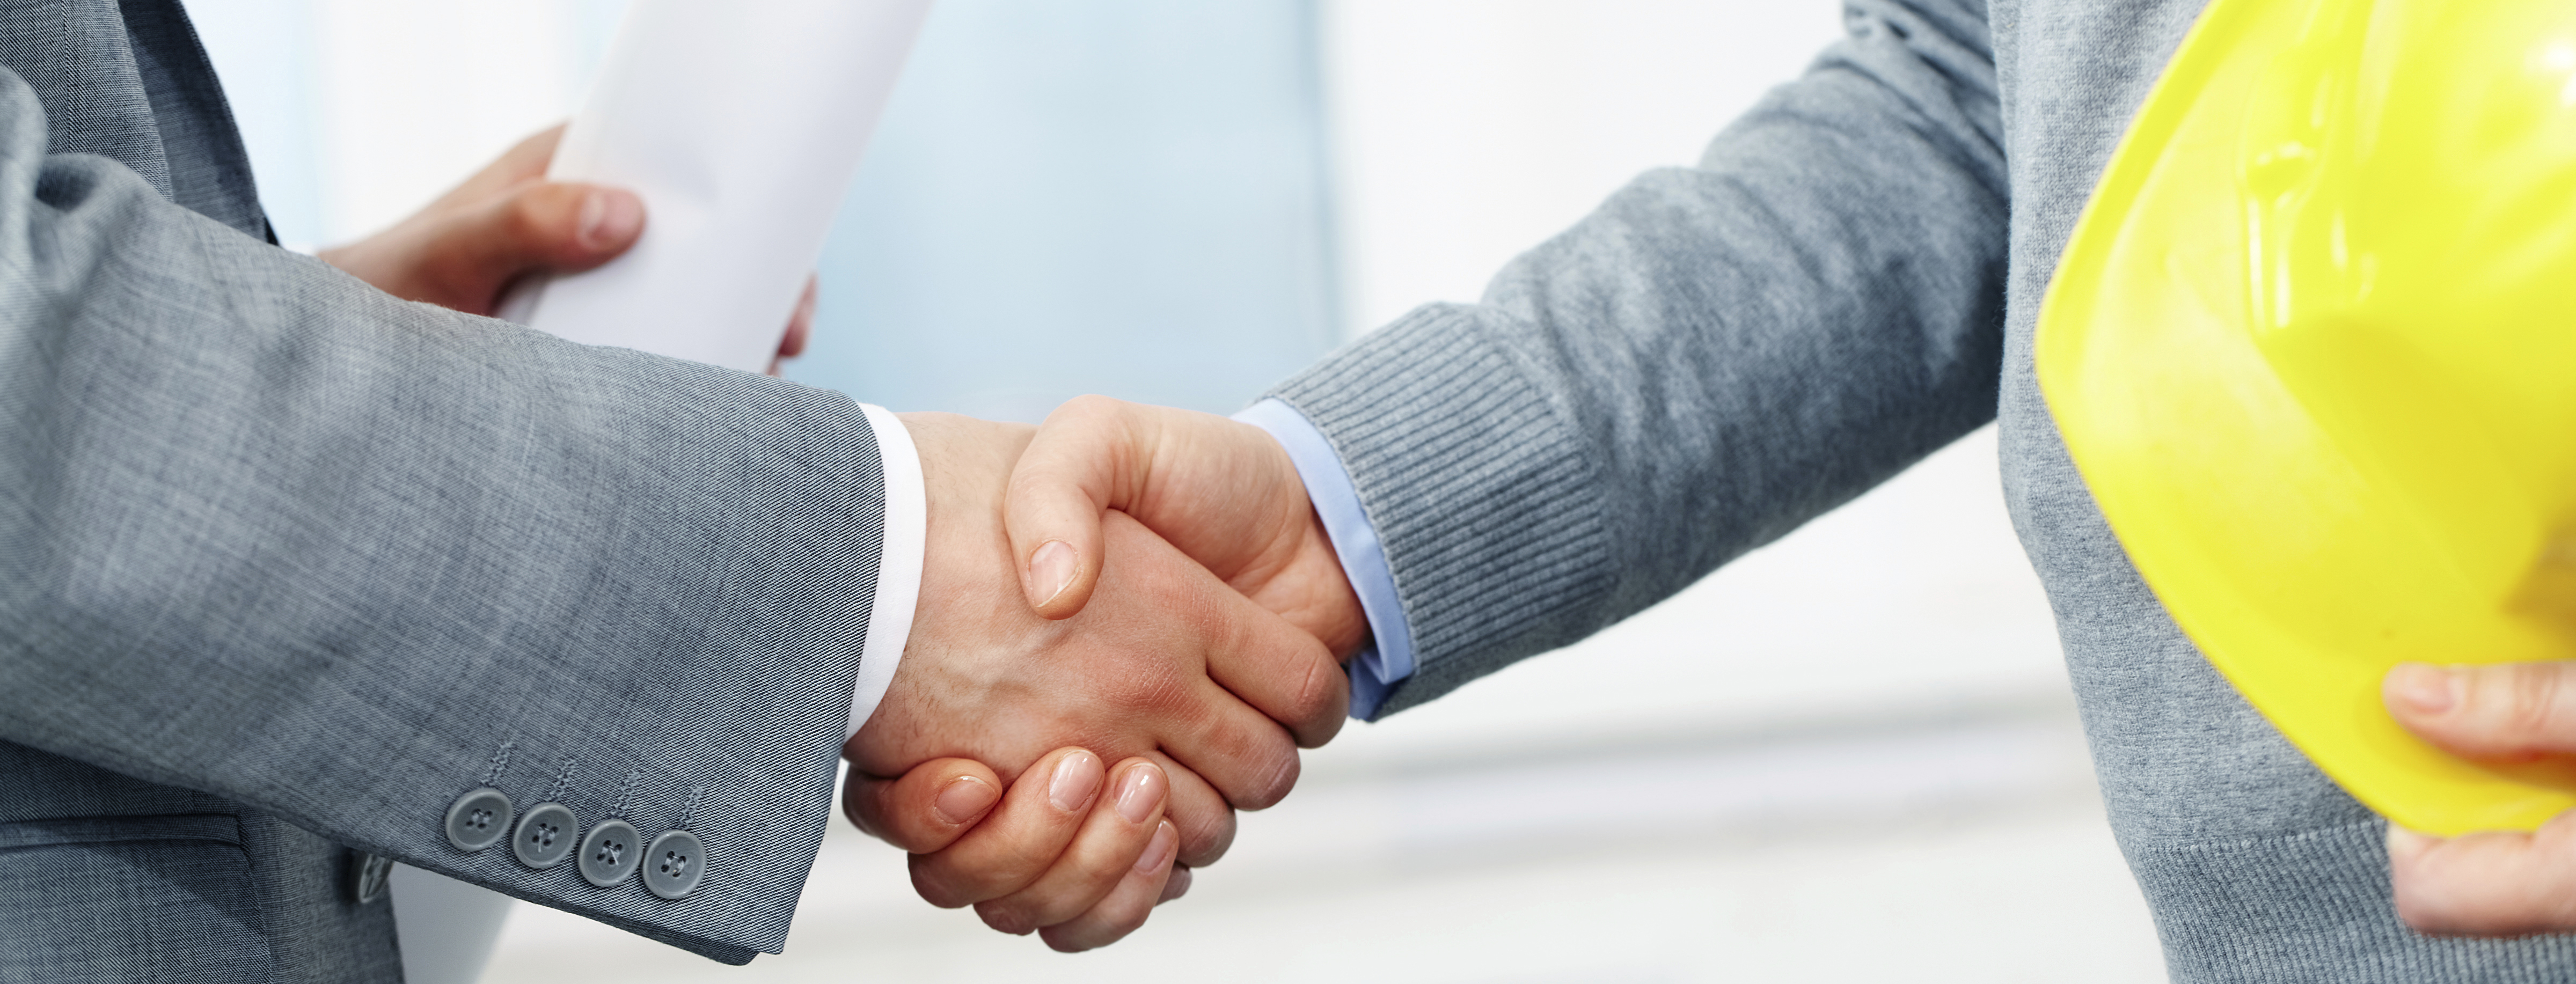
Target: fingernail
[[1053, 565], [964, 800], [1076, 778], [2425, 688], [1159, 852], [609, 217], [1140, 791]]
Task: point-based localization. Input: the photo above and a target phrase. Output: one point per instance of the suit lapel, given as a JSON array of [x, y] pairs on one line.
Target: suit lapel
[[128, 81]]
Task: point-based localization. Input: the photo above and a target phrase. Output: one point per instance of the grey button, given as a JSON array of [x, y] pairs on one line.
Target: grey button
[[673, 865], [371, 873], [546, 835], [478, 819], [609, 854]]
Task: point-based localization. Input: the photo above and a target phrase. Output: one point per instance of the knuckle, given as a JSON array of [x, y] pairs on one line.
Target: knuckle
[[1106, 923], [1274, 781], [1090, 407], [927, 881], [2425, 900], [530, 216], [1204, 840], [1111, 922], [1147, 687], [1012, 868], [1005, 917], [2531, 708], [856, 806], [1321, 702]]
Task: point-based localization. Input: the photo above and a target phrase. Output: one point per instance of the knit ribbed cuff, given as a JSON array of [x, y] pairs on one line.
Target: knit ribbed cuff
[[1478, 487]]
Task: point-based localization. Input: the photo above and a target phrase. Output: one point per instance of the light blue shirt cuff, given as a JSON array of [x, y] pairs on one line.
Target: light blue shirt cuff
[[1388, 658]]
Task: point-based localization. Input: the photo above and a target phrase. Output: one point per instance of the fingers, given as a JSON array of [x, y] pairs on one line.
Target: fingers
[[925, 809], [465, 257], [1083, 461], [1235, 745], [554, 227], [1248, 759], [1124, 829], [539, 228], [2487, 884], [1206, 822], [1139, 889], [1285, 673], [2499, 712], [1018, 841]]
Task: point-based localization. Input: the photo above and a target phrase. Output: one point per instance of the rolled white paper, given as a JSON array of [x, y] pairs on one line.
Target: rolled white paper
[[740, 124]]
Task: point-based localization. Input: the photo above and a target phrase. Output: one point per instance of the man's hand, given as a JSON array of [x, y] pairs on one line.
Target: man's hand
[[1171, 667], [1221, 491], [1225, 494], [503, 224], [2498, 883], [507, 224], [1171, 660], [1081, 879]]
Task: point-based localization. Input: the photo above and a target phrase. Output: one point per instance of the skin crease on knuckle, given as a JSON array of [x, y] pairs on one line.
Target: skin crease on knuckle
[[2532, 711], [1077, 888], [1265, 752], [997, 865], [1095, 869]]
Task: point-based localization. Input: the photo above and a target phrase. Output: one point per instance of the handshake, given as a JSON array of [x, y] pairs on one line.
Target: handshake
[[1130, 617]]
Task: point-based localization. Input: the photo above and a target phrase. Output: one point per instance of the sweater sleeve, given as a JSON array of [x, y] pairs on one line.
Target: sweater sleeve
[[1716, 355]]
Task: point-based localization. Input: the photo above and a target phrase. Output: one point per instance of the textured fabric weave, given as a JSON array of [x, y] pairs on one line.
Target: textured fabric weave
[[286, 565], [1847, 281]]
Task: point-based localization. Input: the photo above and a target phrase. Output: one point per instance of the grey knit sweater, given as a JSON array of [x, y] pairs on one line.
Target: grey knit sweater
[[1848, 280]]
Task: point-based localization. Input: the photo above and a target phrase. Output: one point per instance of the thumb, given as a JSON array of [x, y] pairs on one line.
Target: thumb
[[1091, 455], [539, 228], [551, 227], [925, 809], [2496, 712]]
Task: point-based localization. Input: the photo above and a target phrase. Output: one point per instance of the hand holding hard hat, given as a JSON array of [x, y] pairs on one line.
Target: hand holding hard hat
[[2313, 347]]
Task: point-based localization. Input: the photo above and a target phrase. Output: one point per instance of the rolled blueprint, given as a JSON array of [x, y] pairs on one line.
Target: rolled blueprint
[[740, 124]]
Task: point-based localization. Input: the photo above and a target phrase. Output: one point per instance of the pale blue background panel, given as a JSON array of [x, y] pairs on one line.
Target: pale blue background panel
[[1113, 196]]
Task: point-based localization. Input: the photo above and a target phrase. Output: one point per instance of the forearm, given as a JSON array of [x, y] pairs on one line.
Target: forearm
[[1716, 355], [274, 535]]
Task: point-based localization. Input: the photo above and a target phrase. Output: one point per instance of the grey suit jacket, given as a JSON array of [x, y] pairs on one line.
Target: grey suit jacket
[[287, 566], [1846, 281]]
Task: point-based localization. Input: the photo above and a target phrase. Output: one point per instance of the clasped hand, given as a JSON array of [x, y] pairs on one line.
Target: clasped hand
[[2497, 883], [1197, 691]]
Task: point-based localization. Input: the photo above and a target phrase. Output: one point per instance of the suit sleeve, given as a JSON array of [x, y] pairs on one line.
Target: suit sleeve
[[1716, 355], [271, 534]]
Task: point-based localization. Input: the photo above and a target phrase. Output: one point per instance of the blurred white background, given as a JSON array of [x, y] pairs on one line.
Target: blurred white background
[[1850, 756]]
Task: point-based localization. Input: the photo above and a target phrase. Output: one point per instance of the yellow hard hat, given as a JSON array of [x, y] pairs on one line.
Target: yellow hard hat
[[2313, 347]]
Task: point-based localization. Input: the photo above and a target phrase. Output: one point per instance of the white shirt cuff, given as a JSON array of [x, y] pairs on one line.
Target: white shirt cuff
[[899, 559]]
